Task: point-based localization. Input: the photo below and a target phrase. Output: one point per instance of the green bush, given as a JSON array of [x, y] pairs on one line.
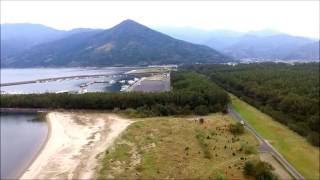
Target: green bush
[[249, 168], [260, 170], [131, 112], [314, 138], [220, 176], [201, 137], [201, 110], [236, 129], [248, 149]]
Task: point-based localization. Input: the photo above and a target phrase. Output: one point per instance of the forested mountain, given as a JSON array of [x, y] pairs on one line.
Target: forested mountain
[[16, 38], [259, 45], [288, 93], [128, 43], [217, 39], [308, 51], [272, 47]]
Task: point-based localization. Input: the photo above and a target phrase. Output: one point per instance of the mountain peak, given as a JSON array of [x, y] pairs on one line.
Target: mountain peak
[[129, 26], [128, 22]]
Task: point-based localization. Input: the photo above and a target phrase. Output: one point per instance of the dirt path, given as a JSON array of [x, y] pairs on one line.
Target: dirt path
[[75, 144]]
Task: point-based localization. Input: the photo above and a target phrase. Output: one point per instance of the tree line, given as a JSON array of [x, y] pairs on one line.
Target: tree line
[[191, 93], [288, 93]]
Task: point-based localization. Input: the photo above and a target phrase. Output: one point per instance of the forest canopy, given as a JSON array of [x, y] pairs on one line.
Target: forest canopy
[[288, 93], [191, 93]]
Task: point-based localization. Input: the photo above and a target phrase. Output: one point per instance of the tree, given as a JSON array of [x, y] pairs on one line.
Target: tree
[[314, 138], [201, 110]]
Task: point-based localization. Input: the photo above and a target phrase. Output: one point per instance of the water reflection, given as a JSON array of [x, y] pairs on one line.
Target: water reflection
[[22, 135]]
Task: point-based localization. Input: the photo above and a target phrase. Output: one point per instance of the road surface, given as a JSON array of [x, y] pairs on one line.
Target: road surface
[[265, 146]]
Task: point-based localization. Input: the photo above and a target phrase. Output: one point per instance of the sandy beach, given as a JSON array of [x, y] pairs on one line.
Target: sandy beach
[[74, 145]]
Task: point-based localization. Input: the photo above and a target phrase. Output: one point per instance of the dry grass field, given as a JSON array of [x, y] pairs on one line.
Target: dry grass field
[[170, 147]]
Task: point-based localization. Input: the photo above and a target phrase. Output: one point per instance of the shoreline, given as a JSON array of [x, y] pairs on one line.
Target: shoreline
[[74, 143], [42, 147]]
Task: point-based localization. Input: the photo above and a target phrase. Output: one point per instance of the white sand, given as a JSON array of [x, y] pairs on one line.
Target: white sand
[[73, 147]]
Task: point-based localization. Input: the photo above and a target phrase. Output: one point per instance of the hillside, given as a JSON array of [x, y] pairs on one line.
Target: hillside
[[16, 38], [309, 51], [272, 47], [261, 45], [21, 37], [128, 43]]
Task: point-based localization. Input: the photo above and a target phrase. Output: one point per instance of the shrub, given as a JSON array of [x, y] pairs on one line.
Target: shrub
[[236, 129], [131, 112], [248, 168], [248, 149], [220, 176], [116, 110], [201, 110], [260, 170], [313, 138], [201, 137]]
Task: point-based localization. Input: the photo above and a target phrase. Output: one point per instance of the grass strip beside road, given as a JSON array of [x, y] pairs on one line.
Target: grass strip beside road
[[302, 155]]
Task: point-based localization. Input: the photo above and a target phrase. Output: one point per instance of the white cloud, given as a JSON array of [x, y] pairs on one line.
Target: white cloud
[[294, 17]]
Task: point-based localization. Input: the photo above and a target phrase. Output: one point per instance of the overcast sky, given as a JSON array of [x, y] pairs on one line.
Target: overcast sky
[[293, 17]]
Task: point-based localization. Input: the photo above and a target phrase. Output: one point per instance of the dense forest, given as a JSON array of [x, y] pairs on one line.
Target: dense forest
[[191, 94], [288, 93]]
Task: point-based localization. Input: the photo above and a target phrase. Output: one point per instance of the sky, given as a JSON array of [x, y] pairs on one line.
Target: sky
[[292, 17]]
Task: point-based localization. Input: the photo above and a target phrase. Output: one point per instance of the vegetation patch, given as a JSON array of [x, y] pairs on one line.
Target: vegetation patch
[[171, 147], [192, 94], [301, 154], [237, 128], [259, 170], [288, 93]]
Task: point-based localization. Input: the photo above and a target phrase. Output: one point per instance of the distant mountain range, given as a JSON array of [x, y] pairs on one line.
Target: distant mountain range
[[128, 43], [258, 45], [16, 38]]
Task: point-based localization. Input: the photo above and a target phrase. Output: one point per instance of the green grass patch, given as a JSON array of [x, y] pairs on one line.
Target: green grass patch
[[177, 147], [303, 156]]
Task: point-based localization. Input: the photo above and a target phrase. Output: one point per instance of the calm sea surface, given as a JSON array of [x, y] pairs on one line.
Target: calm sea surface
[[107, 83], [22, 135]]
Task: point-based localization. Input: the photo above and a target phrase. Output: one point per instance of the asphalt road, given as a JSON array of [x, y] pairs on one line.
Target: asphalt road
[[265, 146]]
